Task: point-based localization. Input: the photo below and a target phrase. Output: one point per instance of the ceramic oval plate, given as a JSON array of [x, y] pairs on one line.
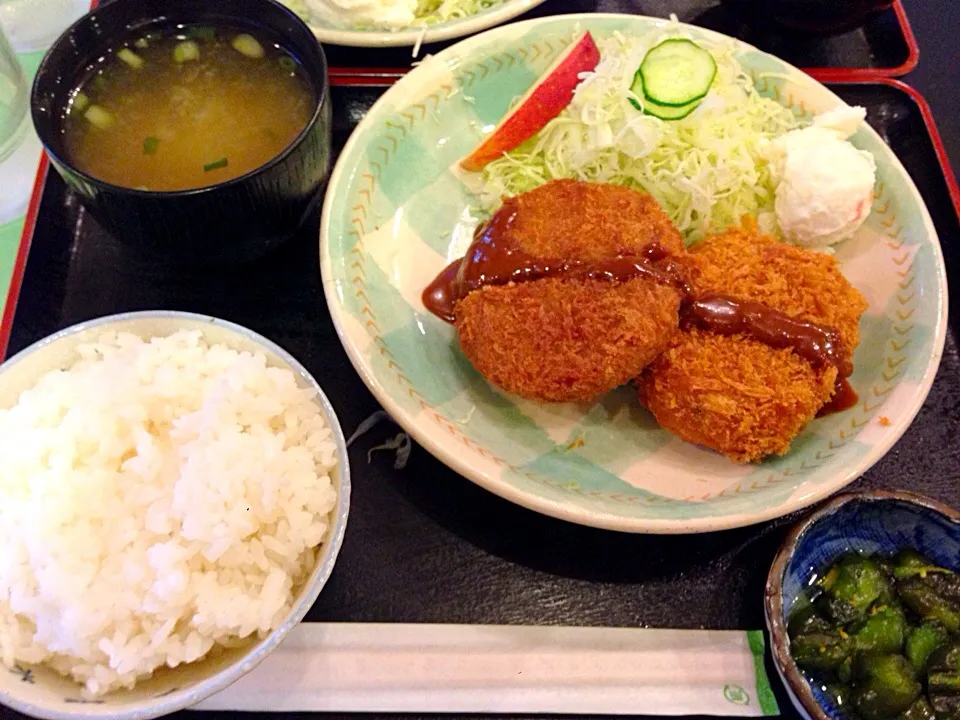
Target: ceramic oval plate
[[344, 33], [396, 213]]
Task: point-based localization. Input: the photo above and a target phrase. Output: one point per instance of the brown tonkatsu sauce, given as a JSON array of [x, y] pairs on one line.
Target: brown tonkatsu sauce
[[844, 397], [493, 258], [724, 315]]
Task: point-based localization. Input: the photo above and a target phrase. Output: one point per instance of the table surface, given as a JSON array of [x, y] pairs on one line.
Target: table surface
[[936, 24]]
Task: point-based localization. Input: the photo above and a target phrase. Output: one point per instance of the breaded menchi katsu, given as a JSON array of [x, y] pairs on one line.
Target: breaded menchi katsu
[[735, 394], [575, 288], [566, 336]]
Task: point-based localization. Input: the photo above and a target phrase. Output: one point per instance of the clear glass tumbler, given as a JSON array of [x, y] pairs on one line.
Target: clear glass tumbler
[[14, 100]]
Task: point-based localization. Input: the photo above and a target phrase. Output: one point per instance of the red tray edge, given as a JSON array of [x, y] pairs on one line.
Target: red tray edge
[[928, 120], [20, 262], [368, 80], [822, 74], [852, 75]]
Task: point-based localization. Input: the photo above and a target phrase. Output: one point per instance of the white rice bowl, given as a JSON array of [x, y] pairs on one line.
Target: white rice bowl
[[160, 501]]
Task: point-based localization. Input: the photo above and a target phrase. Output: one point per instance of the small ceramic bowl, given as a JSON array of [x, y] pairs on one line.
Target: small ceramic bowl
[[232, 221], [41, 692], [871, 522]]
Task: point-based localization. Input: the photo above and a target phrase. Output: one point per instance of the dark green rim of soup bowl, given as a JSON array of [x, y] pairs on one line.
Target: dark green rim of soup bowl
[[233, 221]]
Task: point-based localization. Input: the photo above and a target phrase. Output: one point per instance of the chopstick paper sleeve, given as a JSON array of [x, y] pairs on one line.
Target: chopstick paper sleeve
[[507, 669]]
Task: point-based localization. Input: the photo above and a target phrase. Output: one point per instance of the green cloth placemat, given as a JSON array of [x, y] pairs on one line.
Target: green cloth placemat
[[10, 232]]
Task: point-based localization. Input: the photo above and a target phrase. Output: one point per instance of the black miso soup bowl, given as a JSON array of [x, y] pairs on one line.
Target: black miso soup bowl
[[234, 221]]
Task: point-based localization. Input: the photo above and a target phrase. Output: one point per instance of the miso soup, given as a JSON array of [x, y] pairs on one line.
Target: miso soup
[[186, 107]]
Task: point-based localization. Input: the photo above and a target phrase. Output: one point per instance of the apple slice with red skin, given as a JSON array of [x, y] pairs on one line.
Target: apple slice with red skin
[[541, 103]]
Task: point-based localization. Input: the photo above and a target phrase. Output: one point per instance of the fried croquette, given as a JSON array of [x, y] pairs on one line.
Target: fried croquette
[[805, 284], [566, 339], [734, 394], [569, 219]]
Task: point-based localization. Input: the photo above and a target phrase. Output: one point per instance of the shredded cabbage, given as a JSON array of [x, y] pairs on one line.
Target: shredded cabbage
[[299, 7], [428, 12], [456, 9], [705, 170]]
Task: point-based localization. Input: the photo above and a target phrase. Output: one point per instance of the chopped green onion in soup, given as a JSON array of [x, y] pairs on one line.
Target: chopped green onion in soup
[[99, 117], [248, 45], [215, 165], [186, 51], [184, 119], [80, 102], [130, 58]]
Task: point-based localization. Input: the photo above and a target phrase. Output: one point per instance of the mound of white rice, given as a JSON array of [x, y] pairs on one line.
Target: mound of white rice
[[157, 499]]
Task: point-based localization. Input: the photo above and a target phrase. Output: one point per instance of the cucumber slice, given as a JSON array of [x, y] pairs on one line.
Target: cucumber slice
[[670, 112], [676, 72], [664, 112]]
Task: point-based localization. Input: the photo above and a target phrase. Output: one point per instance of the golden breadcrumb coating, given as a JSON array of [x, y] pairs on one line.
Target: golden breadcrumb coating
[[734, 394], [802, 283], [566, 340], [563, 340], [569, 219], [737, 396]]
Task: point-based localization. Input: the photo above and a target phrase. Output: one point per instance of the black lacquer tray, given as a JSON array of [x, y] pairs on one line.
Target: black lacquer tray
[[423, 544], [883, 46]]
